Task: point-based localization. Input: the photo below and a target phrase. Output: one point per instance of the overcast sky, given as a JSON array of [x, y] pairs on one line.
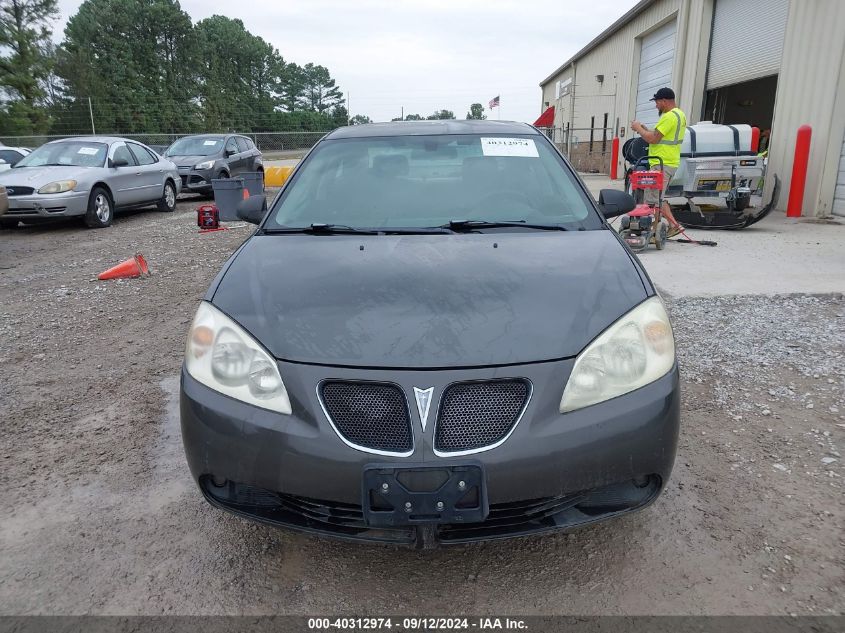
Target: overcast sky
[[424, 55]]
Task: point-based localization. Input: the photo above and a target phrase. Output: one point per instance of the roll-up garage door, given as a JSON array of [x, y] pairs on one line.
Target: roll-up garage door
[[656, 58], [747, 40], [839, 193]]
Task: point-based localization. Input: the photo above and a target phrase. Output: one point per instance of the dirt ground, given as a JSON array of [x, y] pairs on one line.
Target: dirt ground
[[102, 516]]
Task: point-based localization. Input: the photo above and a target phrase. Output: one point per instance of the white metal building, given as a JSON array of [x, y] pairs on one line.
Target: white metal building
[[774, 64]]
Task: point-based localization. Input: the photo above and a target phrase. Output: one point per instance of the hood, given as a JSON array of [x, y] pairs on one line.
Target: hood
[[39, 176], [429, 301], [189, 161]]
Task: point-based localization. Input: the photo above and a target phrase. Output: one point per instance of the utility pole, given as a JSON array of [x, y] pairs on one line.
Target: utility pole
[[402, 114], [613, 119], [348, 111], [91, 112]]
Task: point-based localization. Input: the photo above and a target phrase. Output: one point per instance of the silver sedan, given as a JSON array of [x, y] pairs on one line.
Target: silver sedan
[[90, 177]]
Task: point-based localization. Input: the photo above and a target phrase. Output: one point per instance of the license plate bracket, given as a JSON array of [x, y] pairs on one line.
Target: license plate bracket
[[415, 495]]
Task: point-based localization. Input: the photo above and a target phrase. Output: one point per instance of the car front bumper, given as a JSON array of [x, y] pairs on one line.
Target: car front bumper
[[555, 471], [38, 206], [195, 180]]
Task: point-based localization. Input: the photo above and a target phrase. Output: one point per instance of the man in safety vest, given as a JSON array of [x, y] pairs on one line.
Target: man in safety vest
[[664, 141]]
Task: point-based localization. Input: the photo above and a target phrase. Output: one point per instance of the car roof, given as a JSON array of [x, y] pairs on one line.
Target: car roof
[[222, 134], [97, 139], [424, 128]]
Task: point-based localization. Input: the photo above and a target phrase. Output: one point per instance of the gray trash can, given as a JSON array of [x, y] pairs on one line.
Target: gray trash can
[[228, 193], [254, 182]]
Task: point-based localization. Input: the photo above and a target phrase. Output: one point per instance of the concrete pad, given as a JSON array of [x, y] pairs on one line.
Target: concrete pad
[[596, 182], [779, 255]]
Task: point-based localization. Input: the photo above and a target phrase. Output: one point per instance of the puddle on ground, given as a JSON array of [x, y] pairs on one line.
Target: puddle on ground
[[166, 480], [168, 467]]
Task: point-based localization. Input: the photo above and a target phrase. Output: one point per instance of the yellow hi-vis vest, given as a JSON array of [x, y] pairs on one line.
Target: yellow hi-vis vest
[[672, 125]]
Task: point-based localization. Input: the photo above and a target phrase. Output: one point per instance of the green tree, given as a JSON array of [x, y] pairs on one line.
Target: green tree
[[360, 119], [135, 61], [410, 117], [476, 111], [241, 76], [292, 88], [339, 116], [25, 63], [441, 114], [320, 91]]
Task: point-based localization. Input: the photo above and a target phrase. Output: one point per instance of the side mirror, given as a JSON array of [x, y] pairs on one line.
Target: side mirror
[[252, 209], [614, 202], [119, 162], [229, 152]]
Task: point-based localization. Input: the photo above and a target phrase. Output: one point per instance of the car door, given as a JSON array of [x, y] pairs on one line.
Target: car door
[[246, 153], [150, 173], [123, 180], [235, 159]]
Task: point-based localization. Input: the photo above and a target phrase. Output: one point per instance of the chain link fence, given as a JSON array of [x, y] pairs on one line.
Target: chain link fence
[[265, 141], [588, 149]]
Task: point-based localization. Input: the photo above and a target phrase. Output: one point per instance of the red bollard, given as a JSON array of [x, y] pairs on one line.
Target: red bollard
[[614, 157], [799, 171]]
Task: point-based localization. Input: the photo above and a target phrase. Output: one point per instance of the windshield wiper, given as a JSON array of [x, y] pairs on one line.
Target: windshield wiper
[[319, 229], [329, 229], [470, 225]]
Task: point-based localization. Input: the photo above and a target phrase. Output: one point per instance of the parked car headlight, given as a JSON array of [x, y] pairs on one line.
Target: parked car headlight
[[222, 356], [60, 186], [636, 350], [206, 164]]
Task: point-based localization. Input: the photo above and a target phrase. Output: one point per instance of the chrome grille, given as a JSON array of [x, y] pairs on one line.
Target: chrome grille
[[475, 415], [369, 415]]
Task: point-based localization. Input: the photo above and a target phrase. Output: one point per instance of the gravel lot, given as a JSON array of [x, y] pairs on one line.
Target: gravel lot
[[103, 516]]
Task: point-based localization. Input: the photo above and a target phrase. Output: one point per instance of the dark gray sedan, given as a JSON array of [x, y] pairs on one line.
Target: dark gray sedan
[[205, 157], [434, 336]]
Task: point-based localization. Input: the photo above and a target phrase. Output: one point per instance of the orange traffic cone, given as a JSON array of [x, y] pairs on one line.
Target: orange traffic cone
[[246, 194], [132, 267]]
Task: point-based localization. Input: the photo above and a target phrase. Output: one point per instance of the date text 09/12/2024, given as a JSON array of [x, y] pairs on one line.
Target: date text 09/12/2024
[[416, 624]]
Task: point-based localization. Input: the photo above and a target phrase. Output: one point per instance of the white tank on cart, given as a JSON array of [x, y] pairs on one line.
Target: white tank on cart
[[712, 138]]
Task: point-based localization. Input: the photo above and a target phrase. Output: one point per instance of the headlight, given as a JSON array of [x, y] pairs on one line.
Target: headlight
[[60, 186], [220, 355], [636, 350], [206, 164]]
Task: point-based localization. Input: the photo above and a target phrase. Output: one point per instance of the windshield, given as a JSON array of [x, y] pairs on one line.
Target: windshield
[[66, 153], [426, 181], [195, 146]]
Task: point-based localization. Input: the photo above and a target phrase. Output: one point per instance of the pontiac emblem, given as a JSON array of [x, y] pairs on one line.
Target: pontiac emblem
[[423, 397]]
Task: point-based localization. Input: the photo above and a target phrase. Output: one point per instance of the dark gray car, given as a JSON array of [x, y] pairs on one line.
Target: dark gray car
[[433, 336], [204, 157]]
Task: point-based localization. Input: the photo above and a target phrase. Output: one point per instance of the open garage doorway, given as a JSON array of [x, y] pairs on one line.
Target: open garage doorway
[[751, 102]]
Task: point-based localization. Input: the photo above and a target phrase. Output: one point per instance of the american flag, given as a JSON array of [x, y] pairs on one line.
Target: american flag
[[494, 102]]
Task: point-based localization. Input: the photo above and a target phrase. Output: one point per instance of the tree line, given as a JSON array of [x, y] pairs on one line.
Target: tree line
[[146, 68], [143, 66]]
